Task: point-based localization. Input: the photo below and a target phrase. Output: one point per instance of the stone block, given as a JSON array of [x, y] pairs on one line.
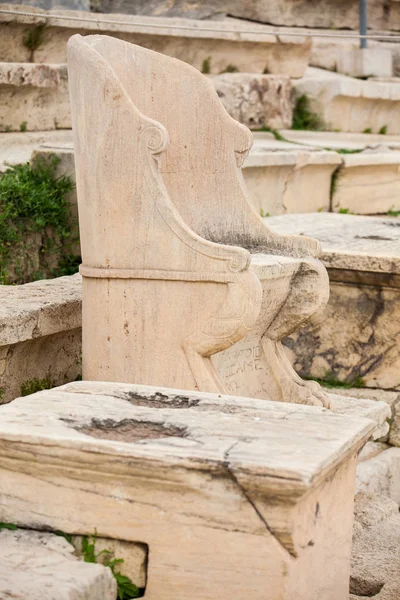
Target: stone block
[[210, 47], [39, 565], [40, 335], [380, 475], [361, 255], [334, 14], [221, 473], [257, 101], [350, 104], [368, 183], [365, 62], [375, 567], [288, 181], [33, 97]]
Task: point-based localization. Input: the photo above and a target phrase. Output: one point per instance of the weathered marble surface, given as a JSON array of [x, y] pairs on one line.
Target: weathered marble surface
[[282, 179], [257, 101], [227, 286], [34, 97], [194, 41], [359, 334], [267, 487], [351, 104], [40, 333], [322, 13], [43, 566]]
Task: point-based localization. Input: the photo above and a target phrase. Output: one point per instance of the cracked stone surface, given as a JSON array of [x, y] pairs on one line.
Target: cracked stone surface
[[43, 566], [267, 486]]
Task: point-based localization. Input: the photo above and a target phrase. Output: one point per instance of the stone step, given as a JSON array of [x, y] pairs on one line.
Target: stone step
[[281, 177], [210, 46], [348, 104], [33, 97], [294, 13], [39, 565], [309, 176], [17, 147], [357, 340]]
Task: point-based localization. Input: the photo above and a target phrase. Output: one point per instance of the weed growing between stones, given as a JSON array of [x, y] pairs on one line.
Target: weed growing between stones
[[33, 39], [330, 381], [127, 590], [36, 226], [206, 66], [35, 385], [304, 117], [230, 69], [393, 212]]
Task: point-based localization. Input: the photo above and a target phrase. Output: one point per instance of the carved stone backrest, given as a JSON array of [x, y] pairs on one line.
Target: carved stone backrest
[[201, 164], [127, 219]]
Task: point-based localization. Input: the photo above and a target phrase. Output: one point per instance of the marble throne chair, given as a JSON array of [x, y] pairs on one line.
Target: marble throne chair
[[184, 285]]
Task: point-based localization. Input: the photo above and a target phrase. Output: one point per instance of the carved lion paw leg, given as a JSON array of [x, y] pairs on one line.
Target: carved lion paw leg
[[291, 387]]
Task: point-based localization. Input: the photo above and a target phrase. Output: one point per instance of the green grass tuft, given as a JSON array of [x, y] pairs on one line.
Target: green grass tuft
[[330, 381], [304, 118], [35, 385]]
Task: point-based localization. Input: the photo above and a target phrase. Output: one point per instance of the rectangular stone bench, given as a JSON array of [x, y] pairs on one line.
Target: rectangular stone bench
[[235, 497]]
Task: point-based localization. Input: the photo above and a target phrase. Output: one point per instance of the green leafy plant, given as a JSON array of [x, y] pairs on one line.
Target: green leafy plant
[[393, 212], [344, 211], [206, 66], [35, 385], [126, 588], [330, 381], [264, 214], [383, 130], [368, 130], [304, 118], [23, 126], [36, 226], [66, 536]]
